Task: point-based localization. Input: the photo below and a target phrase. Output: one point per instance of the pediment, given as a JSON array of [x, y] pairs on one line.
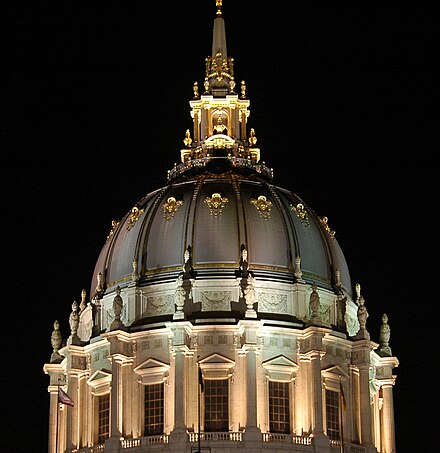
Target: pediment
[[152, 371], [334, 372], [217, 359], [280, 368], [99, 377], [280, 360], [151, 365]]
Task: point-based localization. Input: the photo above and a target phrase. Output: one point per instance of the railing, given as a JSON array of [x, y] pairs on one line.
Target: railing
[[142, 441], [95, 449], [299, 440], [232, 436], [348, 448], [236, 162]]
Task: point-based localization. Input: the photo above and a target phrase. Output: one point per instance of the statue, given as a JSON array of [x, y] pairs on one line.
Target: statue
[[74, 319], [298, 271], [56, 340], [243, 89], [179, 298], [249, 297], [196, 90], [83, 303], [187, 268], [74, 322], [99, 287], [384, 337], [362, 313], [244, 265], [118, 305], [314, 303]]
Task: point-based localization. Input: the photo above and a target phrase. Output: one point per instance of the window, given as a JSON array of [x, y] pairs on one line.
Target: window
[[216, 405], [103, 417], [332, 414], [153, 409], [279, 410]]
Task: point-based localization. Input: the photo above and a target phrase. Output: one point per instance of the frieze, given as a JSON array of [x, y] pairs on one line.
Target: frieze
[[273, 303], [216, 300], [160, 305]]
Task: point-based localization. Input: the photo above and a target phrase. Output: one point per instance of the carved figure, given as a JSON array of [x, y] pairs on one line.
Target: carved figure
[[56, 340], [362, 313], [74, 319], [314, 302], [384, 335]]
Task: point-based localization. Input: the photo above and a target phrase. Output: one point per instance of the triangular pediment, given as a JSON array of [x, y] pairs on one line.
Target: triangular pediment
[[151, 365], [217, 359], [100, 375], [280, 360], [334, 371]]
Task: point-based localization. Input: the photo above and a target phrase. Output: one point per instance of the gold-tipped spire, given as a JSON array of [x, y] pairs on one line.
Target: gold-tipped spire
[[218, 3]]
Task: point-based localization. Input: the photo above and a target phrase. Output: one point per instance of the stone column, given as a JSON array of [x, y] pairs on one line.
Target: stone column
[[252, 436], [364, 391], [116, 399], [312, 348], [72, 440], [388, 434], [315, 365], [53, 419], [179, 349]]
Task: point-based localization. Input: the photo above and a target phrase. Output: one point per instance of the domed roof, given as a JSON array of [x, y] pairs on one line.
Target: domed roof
[[216, 217], [220, 204]]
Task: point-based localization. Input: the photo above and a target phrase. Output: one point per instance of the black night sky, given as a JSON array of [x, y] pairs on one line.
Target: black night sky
[[94, 113]]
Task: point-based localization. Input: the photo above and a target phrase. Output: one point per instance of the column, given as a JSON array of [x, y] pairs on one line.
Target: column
[[53, 419], [364, 391], [72, 440], [388, 434], [179, 391], [317, 421], [116, 398]]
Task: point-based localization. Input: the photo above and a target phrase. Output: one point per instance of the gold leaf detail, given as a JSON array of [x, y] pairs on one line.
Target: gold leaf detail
[[216, 203], [301, 212], [324, 223], [115, 224], [134, 216], [263, 206], [171, 207]]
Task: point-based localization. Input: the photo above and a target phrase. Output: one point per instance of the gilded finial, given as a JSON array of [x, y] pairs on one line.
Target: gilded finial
[[187, 140], [252, 137], [218, 3], [196, 90], [243, 89]]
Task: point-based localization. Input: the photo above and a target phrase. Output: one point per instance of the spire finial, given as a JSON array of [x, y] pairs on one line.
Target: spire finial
[[218, 3]]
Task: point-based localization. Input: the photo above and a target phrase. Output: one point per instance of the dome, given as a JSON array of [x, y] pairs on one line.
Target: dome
[[215, 217], [221, 234]]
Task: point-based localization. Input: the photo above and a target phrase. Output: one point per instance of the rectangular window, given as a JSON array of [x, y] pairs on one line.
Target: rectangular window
[[103, 418], [279, 410], [332, 414], [216, 405], [154, 409]]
